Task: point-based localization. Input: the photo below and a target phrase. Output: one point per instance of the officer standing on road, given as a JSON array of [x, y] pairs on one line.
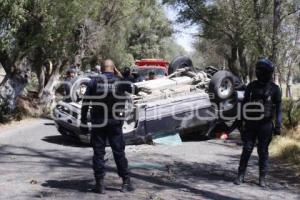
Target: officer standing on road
[[107, 123], [127, 76], [264, 95], [137, 77], [97, 69], [69, 80]]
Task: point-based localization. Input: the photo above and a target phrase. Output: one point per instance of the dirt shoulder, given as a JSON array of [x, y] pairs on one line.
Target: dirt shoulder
[[16, 124]]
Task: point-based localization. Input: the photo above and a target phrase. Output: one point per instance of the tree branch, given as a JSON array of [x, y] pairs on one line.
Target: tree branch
[[289, 13], [5, 62], [205, 21]]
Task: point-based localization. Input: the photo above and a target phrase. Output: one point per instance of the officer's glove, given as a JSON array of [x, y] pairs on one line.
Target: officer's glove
[[277, 131]]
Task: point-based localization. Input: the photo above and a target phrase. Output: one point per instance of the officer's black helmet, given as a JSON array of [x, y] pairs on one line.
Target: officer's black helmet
[[126, 71], [266, 65], [264, 70], [71, 70]]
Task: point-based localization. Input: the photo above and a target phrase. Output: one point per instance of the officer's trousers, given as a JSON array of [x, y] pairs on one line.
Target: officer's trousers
[[262, 132], [114, 134]]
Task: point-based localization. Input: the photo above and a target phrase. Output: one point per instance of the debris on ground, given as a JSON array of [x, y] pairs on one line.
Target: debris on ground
[[33, 182]]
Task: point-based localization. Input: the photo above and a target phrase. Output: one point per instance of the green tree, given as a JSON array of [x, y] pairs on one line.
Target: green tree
[[35, 31], [44, 36], [239, 30], [149, 27], [124, 31], [170, 49]]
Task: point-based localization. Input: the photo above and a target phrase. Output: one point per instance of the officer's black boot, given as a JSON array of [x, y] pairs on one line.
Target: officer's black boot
[[100, 188], [262, 179], [240, 178], [127, 185], [262, 182]]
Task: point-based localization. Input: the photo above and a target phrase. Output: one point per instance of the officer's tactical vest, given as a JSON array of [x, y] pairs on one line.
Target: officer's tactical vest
[[107, 102], [261, 98]]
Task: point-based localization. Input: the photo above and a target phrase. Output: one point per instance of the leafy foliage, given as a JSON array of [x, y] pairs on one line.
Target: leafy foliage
[[132, 30], [149, 27], [291, 114], [46, 36], [43, 29], [241, 31]]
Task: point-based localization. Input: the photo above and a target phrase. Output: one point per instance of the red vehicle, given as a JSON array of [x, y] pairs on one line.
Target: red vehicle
[[152, 68]]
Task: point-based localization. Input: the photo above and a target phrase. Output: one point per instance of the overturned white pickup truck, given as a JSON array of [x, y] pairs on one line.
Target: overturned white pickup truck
[[187, 101]]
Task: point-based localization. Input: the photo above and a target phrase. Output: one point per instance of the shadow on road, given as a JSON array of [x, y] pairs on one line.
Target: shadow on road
[[62, 140], [286, 172], [180, 176], [85, 185], [49, 124], [144, 178], [281, 174], [194, 138], [189, 177]]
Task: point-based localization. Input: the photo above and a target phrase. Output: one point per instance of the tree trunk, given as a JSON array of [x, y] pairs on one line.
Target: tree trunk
[[232, 60], [294, 58], [48, 92], [15, 82], [243, 62], [289, 83], [4, 81], [41, 80], [259, 40], [252, 75], [275, 37]]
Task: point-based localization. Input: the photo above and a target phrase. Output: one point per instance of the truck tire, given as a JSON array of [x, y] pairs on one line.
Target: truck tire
[[180, 62], [222, 94], [221, 86]]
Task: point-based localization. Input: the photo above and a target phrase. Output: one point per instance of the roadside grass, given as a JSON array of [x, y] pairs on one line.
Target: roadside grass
[[287, 148], [14, 123]]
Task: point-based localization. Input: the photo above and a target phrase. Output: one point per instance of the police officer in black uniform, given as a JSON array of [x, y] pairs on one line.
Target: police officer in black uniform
[[263, 101], [104, 98], [127, 76]]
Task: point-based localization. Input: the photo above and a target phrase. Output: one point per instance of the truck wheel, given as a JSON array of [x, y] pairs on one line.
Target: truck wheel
[[180, 62], [221, 86], [222, 94]]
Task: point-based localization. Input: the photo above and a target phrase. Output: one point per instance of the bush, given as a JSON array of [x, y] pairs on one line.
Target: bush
[[287, 146], [4, 112], [7, 115], [291, 114]]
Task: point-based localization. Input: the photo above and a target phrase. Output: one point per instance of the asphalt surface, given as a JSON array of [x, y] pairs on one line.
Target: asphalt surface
[[37, 163]]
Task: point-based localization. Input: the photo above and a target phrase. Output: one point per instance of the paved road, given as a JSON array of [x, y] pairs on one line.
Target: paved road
[[38, 163]]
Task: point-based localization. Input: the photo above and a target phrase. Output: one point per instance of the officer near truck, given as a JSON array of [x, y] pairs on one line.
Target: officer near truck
[[262, 102], [104, 96]]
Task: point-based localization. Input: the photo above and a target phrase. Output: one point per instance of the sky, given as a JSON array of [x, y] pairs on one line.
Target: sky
[[183, 33]]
